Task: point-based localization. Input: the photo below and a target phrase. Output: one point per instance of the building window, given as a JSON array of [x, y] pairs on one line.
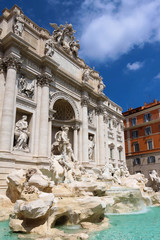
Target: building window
[[109, 123], [133, 121], [136, 147], [148, 131], [150, 144], [151, 159], [111, 153], [136, 161], [147, 117], [135, 134]]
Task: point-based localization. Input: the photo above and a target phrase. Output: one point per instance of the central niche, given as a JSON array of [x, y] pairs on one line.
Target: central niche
[[64, 110]]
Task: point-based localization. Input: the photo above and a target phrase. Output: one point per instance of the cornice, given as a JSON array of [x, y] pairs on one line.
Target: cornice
[[12, 39], [147, 110], [143, 124]]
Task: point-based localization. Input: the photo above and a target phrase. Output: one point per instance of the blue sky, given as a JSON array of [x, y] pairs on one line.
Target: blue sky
[[120, 38]]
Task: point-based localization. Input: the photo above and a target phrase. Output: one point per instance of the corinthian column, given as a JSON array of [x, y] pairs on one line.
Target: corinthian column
[[84, 129], [101, 135], [7, 118], [43, 80]]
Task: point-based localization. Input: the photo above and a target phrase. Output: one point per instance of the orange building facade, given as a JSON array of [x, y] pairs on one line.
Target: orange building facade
[[142, 138]]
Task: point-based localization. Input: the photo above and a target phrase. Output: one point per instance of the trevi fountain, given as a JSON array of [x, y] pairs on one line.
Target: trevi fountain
[[63, 172]]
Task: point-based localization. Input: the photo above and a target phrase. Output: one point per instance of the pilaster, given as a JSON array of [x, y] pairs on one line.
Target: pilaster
[[11, 65], [43, 81], [99, 112], [84, 102]]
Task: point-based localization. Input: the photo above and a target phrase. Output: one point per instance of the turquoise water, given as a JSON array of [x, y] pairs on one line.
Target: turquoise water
[[143, 226], [5, 233]]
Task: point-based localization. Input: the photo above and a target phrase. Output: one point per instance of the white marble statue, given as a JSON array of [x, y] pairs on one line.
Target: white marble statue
[[155, 180], [108, 172], [91, 146], [101, 86], [49, 45], [86, 74], [25, 88], [19, 25], [21, 134], [90, 116], [64, 36], [75, 46]]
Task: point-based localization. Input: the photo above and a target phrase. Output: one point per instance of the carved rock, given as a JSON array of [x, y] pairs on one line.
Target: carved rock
[[34, 209], [15, 181]]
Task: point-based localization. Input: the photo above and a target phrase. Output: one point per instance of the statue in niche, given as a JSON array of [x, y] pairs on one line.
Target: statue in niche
[[21, 134], [91, 146], [90, 116], [19, 25], [101, 86], [26, 88], [62, 156], [49, 45], [63, 36]]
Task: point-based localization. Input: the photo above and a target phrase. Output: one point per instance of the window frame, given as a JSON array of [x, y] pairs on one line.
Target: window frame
[[151, 161], [134, 132], [136, 161], [149, 140], [146, 118], [150, 130], [134, 144], [133, 124]]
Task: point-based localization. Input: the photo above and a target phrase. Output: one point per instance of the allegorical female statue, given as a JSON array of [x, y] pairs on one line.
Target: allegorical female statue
[[21, 134]]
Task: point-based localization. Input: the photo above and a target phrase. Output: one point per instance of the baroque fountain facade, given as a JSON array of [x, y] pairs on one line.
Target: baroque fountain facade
[[61, 139]]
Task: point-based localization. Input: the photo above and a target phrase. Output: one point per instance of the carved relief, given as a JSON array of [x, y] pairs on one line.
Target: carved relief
[[49, 47], [18, 27], [21, 134], [90, 116], [25, 88]]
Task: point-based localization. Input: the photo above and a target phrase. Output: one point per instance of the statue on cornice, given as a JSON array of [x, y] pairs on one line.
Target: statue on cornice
[[49, 45], [101, 86], [19, 25], [63, 36], [86, 74], [21, 134]]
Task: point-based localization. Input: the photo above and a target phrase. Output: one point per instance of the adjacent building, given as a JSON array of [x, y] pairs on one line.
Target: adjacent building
[[142, 138], [44, 87]]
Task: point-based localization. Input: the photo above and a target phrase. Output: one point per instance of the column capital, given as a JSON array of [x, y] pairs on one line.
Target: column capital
[[43, 79], [12, 62], [84, 101], [100, 110], [76, 127]]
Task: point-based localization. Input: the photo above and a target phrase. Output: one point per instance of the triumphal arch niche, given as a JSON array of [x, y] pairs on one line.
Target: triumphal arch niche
[[45, 90]]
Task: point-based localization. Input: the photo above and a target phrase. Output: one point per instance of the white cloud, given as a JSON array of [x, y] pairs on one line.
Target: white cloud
[[157, 76], [135, 66], [110, 29]]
